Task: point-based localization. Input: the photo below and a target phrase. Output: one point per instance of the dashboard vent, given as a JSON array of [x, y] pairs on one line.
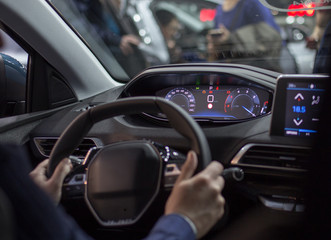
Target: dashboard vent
[[45, 146], [274, 156]]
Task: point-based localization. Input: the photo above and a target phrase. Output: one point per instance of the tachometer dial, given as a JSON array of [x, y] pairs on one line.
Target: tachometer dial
[[183, 97], [242, 103]]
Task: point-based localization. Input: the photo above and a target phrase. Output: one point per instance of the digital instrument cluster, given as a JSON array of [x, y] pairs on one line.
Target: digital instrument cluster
[[215, 102]]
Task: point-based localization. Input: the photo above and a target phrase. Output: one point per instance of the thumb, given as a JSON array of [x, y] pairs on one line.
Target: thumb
[[61, 171], [189, 166]]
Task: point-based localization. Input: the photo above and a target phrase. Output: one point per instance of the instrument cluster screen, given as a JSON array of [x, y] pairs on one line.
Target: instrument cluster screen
[[220, 102]]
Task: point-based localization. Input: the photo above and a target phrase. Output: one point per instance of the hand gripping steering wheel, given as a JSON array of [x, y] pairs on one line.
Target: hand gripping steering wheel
[[122, 179]]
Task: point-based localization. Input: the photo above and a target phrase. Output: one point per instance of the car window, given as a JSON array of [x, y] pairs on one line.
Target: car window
[[130, 35], [13, 62]]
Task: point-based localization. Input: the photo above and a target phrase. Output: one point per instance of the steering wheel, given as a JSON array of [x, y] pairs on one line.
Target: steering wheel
[[122, 179]]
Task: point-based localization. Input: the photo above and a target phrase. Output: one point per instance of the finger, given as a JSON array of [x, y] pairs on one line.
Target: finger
[[133, 40], [220, 183], [43, 164], [129, 49], [41, 168], [123, 49], [189, 166], [214, 169], [61, 171], [221, 26], [126, 48], [222, 204], [222, 200]]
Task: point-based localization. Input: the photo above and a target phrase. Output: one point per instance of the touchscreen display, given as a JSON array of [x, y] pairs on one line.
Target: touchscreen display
[[297, 105], [303, 104]]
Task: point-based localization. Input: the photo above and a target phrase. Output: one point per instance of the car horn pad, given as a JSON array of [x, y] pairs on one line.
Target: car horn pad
[[122, 181]]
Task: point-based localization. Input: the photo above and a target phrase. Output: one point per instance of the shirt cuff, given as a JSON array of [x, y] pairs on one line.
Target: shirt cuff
[[192, 225], [173, 227]]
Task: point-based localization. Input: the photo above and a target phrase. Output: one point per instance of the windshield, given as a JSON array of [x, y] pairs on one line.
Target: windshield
[[128, 36]]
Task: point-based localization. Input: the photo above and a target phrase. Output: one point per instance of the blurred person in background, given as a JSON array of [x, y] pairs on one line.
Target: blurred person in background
[[170, 27], [122, 45], [245, 29], [323, 16]]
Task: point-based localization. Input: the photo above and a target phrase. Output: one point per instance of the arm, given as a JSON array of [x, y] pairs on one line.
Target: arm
[[196, 198], [321, 21]]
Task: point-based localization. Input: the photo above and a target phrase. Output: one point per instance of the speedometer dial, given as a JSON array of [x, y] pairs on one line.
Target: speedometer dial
[[183, 97], [242, 103]]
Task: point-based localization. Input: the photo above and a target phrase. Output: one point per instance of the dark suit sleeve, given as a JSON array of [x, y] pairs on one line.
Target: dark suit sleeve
[[35, 215], [171, 227]]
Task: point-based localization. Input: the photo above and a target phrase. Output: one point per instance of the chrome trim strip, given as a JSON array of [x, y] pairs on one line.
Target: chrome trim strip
[[288, 204]]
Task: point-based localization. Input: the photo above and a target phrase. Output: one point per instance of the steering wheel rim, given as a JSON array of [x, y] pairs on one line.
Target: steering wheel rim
[[109, 192], [178, 118]]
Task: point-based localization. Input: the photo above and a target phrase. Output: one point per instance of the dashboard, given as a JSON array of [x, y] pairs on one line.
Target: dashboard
[[259, 121], [235, 105]]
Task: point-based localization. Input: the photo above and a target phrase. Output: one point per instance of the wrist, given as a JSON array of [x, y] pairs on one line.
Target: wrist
[[190, 222]]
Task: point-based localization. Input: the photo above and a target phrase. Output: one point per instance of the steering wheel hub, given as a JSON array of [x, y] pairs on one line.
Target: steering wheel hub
[[122, 181]]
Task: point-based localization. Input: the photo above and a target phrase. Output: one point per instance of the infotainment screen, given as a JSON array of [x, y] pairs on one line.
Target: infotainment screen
[[297, 105]]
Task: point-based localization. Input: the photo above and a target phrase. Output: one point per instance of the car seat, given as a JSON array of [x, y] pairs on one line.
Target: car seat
[[6, 218]]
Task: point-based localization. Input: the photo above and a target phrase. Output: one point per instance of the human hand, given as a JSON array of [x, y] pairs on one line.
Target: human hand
[[215, 39], [126, 42], [218, 36], [199, 197], [311, 43], [53, 185]]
